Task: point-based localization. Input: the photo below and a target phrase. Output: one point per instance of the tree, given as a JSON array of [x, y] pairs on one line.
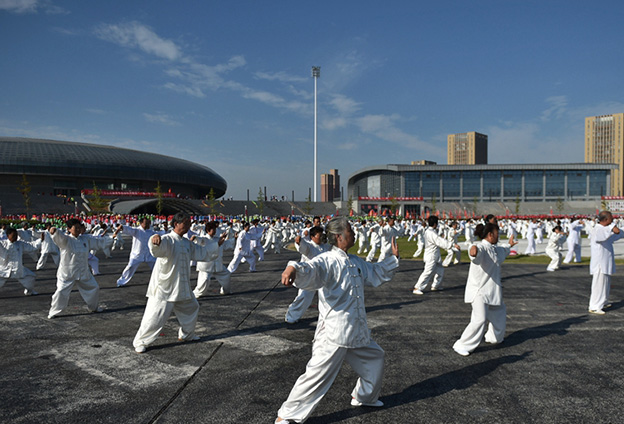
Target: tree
[[517, 205], [24, 188], [350, 204], [96, 202], [433, 203], [475, 203], [159, 199], [394, 205], [212, 202], [260, 201], [560, 205]]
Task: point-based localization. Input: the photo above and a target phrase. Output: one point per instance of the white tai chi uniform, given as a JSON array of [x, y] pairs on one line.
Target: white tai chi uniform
[[242, 251], [362, 238], [139, 253], [169, 288], [485, 291], [212, 268], [342, 332], [602, 264], [420, 240], [308, 249], [553, 250], [530, 236], [452, 254], [48, 248], [574, 242], [432, 260], [374, 241], [74, 270], [11, 265], [386, 234]]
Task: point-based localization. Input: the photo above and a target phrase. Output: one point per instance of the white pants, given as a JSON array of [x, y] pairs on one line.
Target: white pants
[[321, 371], [371, 253], [156, 314], [274, 243], [452, 255], [27, 280], [419, 249], [130, 269], [600, 288], [88, 289], [555, 257], [94, 263], [530, 249], [44, 258], [203, 282], [574, 252], [432, 268], [494, 317], [238, 257], [363, 245], [301, 304]]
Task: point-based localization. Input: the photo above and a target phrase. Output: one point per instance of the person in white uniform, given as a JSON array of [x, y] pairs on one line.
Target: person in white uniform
[[212, 268], [387, 233], [243, 250], [11, 265], [432, 258], [341, 333], [140, 252], [553, 249], [48, 249], [574, 241], [420, 239], [169, 288], [374, 240], [310, 245], [73, 267], [602, 261], [484, 291], [530, 236]]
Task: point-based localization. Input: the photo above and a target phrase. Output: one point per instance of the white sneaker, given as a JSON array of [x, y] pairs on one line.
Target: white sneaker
[[437, 288], [30, 292], [376, 404], [140, 349], [192, 339], [597, 311], [417, 291]]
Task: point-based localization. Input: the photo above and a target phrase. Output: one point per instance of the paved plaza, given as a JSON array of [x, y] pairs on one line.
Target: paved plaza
[[558, 364]]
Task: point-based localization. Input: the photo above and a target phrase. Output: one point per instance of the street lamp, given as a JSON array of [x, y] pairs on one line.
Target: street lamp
[[316, 73]]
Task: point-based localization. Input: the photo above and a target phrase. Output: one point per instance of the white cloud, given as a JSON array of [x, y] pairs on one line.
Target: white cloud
[[344, 105], [137, 35], [19, 6], [384, 128], [557, 108], [160, 118], [279, 76]]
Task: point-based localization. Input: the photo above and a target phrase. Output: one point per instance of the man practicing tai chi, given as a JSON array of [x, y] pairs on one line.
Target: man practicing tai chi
[[169, 288], [140, 251], [341, 333]]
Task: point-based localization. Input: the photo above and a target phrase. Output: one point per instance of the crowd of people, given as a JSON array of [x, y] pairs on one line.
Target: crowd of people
[[170, 246]]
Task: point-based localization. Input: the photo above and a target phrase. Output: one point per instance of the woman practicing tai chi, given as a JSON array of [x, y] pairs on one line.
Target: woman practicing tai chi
[[485, 291]]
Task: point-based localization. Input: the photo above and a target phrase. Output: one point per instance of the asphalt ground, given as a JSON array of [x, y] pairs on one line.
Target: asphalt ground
[[558, 364]]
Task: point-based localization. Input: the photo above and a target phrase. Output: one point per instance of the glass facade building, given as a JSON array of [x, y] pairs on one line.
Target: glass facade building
[[465, 183]]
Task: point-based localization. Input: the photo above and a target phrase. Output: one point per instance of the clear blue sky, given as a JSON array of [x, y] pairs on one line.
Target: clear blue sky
[[227, 84]]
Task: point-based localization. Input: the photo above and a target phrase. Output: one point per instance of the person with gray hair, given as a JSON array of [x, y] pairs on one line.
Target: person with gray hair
[[602, 261], [342, 332]]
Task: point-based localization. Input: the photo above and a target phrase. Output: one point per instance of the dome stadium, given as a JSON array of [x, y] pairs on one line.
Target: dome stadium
[[56, 171]]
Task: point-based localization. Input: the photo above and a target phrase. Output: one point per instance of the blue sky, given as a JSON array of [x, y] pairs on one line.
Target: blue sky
[[228, 84]]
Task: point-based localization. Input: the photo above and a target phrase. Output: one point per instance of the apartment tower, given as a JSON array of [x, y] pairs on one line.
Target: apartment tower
[[467, 149], [604, 143]]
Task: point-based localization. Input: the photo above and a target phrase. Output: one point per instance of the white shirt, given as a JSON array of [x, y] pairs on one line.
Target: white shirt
[[73, 264], [140, 239], [602, 258], [484, 278], [11, 257], [341, 278]]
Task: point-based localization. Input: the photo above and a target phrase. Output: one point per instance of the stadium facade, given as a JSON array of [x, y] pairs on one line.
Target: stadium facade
[[56, 169], [413, 185]]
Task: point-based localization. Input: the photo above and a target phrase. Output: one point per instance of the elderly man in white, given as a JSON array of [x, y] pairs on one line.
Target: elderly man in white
[[341, 333], [602, 262], [169, 288], [11, 266], [214, 267]]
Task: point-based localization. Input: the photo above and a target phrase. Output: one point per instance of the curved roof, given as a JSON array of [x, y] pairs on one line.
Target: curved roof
[[81, 160]]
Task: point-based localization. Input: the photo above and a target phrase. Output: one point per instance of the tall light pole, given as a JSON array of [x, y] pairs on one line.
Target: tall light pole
[[316, 73]]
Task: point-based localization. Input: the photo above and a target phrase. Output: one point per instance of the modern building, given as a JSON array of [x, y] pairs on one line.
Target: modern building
[[64, 169], [413, 184], [469, 148], [330, 186], [604, 143]]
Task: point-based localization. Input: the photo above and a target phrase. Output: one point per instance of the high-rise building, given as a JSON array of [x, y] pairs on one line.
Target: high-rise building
[[330, 186], [604, 143], [467, 149]]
